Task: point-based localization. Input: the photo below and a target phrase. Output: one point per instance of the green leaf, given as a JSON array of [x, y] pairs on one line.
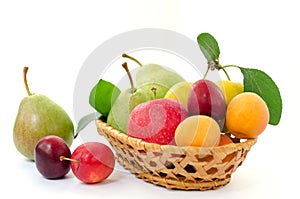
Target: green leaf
[[103, 96], [83, 122], [209, 46], [260, 83]]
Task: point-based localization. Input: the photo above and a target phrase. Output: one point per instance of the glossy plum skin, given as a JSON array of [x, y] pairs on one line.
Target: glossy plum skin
[[94, 162], [47, 154], [205, 98]]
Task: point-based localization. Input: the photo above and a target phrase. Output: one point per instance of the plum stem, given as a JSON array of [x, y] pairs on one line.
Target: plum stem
[[25, 70], [206, 72], [130, 77], [214, 64], [132, 58], [62, 158]]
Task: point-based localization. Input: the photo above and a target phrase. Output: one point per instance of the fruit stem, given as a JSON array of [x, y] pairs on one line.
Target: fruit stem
[[25, 80], [226, 73], [214, 64], [62, 158], [132, 58], [130, 77], [206, 72], [153, 89]]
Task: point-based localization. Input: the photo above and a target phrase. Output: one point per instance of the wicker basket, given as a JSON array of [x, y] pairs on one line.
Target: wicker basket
[[187, 168]]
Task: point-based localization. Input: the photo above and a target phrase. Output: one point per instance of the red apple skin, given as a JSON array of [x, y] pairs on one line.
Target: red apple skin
[[155, 121], [47, 154], [205, 98], [94, 162]]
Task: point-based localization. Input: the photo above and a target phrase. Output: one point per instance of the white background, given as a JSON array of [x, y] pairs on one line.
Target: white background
[[55, 38]]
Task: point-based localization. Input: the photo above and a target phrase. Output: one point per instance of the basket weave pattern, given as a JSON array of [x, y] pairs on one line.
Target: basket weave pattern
[[187, 168]]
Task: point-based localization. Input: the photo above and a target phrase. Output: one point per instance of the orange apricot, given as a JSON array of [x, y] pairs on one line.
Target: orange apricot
[[247, 115], [197, 130]]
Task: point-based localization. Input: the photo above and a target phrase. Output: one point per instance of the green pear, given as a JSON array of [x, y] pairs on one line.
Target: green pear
[[126, 101], [37, 117], [154, 75]]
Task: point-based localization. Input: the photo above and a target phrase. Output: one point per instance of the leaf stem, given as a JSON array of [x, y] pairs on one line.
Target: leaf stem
[[227, 66], [231, 65], [226, 73]]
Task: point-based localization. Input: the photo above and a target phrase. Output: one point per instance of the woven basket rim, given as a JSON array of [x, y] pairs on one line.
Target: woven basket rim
[[153, 147], [176, 167]]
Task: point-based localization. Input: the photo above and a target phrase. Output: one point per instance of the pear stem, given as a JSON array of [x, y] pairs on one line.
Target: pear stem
[[132, 58], [25, 69], [153, 89], [129, 75], [62, 158]]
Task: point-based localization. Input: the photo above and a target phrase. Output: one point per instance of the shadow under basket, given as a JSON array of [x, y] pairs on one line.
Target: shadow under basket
[[174, 167]]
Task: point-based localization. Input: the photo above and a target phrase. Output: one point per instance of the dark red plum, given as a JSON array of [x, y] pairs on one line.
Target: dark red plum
[[205, 98], [49, 153]]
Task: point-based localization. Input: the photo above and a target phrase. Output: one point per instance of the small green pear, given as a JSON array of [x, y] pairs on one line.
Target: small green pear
[[154, 75], [126, 101], [37, 117]]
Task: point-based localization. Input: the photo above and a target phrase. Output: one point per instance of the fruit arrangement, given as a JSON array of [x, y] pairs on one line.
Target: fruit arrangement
[[164, 129], [43, 132], [182, 134]]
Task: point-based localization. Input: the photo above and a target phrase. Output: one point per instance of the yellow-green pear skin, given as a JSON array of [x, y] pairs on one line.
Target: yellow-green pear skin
[[154, 75], [180, 91], [230, 89], [37, 117], [126, 101]]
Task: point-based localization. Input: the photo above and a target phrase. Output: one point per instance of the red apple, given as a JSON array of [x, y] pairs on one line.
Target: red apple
[[155, 121], [92, 162], [206, 98]]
